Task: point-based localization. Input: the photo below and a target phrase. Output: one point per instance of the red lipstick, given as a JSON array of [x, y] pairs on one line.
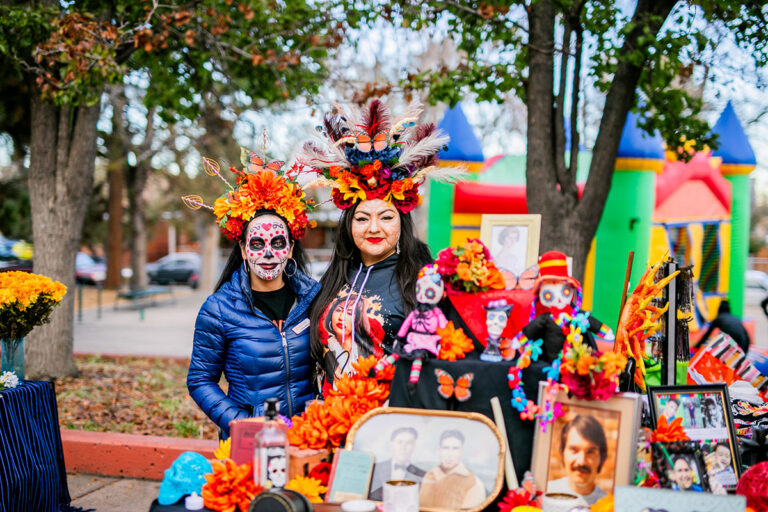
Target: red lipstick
[[375, 240]]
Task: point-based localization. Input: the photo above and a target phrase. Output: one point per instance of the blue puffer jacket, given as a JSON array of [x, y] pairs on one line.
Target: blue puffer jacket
[[258, 360]]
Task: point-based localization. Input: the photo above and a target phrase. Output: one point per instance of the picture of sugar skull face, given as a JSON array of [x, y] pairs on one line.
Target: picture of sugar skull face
[[496, 316], [276, 471], [429, 286], [267, 246], [555, 294]]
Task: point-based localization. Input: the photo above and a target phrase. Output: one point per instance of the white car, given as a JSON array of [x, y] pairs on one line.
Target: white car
[[755, 287]]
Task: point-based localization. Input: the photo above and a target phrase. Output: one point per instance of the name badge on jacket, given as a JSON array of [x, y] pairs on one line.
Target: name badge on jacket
[[302, 326]]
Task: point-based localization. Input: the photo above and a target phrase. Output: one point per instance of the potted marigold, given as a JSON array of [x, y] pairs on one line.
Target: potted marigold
[[26, 301]]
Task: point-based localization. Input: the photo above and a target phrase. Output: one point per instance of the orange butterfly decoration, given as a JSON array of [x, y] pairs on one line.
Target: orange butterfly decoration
[[448, 387], [257, 164], [365, 143], [524, 281]]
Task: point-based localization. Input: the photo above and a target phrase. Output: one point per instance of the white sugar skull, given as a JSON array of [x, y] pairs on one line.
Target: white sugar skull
[[429, 285], [555, 294], [496, 316], [276, 470], [267, 246]]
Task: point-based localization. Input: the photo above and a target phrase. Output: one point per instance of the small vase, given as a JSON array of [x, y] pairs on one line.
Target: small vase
[[12, 356]]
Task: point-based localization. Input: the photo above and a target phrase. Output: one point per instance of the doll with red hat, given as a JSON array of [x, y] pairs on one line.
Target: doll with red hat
[[556, 305]]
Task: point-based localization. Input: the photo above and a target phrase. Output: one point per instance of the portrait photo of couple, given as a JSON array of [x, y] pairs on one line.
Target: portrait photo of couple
[[454, 461]]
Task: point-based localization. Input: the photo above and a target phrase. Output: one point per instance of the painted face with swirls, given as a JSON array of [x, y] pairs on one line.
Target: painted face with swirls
[[267, 247], [555, 294]]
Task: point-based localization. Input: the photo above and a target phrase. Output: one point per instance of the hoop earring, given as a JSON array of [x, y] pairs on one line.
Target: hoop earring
[[397, 248], [295, 268]]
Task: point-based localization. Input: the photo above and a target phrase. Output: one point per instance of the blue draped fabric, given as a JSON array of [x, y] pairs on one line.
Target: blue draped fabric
[[32, 472]]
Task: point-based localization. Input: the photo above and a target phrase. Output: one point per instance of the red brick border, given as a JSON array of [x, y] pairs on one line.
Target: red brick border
[[127, 455]]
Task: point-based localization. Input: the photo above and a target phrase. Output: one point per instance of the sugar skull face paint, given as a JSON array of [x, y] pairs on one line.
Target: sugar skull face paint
[[557, 295], [267, 247]]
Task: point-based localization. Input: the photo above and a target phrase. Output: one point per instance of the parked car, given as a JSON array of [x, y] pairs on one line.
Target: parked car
[[180, 267], [90, 270], [755, 287]]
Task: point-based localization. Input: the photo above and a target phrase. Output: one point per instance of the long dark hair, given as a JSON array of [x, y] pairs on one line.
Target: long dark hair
[[346, 255], [235, 259]]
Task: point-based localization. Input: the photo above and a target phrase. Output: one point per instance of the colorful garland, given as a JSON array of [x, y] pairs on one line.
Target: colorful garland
[[579, 371]]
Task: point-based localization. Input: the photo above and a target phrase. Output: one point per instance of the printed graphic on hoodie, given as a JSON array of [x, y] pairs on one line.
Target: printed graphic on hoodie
[[351, 327]]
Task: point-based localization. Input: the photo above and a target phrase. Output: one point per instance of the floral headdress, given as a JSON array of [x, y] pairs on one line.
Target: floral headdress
[[368, 155], [259, 186]]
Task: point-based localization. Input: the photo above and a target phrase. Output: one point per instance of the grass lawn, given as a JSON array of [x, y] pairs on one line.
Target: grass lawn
[[132, 395]]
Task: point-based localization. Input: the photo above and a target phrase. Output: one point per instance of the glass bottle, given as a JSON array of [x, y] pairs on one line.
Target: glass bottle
[[271, 449]]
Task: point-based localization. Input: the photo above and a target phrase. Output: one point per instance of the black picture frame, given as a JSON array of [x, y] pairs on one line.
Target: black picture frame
[[699, 434], [665, 456]]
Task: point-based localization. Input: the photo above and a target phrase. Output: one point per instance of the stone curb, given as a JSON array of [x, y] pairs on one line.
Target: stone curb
[[127, 455]]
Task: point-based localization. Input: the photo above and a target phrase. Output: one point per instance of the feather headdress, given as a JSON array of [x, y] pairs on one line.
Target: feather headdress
[[260, 185], [369, 155]]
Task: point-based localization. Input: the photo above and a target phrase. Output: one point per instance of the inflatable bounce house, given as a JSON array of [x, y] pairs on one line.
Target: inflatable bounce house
[[697, 211]]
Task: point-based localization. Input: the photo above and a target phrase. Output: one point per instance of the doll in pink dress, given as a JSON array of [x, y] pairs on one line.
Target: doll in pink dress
[[419, 329]]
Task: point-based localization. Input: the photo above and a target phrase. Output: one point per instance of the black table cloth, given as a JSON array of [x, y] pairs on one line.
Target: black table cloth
[[32, 471], [490, 380]]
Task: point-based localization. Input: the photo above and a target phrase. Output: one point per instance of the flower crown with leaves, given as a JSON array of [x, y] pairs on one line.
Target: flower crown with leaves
[[367, 155], [259, 186]]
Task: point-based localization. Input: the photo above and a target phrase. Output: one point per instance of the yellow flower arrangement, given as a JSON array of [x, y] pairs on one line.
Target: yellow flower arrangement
[[310, 487], [26, 301]]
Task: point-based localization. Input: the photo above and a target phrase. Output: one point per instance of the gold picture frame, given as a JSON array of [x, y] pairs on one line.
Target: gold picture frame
[[481, 454], [513, 240], [608, 455]]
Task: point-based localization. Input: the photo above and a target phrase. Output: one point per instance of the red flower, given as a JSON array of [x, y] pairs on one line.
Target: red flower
[[411, 201], [338, 199], [519, 498], [669, 432], [233, 229], [322, 472]]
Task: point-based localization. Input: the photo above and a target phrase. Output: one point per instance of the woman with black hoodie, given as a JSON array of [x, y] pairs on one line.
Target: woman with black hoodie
[[375, 165]]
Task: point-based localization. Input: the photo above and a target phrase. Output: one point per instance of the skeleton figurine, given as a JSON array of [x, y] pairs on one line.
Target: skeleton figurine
[[496, 316], [419, 330]]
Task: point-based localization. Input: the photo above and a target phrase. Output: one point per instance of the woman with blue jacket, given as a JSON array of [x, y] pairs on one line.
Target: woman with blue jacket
[[255, 327]]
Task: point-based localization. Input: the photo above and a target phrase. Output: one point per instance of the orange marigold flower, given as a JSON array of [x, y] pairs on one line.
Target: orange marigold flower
[[584, 364], [604, 504], [229, 487], [462, 270]]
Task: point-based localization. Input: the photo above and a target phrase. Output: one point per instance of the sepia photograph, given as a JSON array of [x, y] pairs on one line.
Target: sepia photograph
[[582, 457], [456, 458], [589, 449], [513, 240]]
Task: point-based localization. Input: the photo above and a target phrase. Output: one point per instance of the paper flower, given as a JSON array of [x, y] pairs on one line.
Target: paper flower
[[454, 344], [310, 487], [519, 500], [223, 451], [669, 432], [469, 268], [604, 504], [229, 487], [8, 380]]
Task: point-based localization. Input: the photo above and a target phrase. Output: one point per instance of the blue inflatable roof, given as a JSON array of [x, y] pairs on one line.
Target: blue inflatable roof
[[733, 144], [635, 143], [464, 145]]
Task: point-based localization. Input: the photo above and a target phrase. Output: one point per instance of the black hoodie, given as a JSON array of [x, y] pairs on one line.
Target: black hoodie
[[374, 296]]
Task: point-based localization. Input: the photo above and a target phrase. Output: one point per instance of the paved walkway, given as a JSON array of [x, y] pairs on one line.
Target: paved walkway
[[111, 494], [163, 329]]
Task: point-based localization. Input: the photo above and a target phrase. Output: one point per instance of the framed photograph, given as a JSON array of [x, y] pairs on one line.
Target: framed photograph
[[512, 239], [680, 466], [646, 499], [589, 450], [706, 417], [457, 458]]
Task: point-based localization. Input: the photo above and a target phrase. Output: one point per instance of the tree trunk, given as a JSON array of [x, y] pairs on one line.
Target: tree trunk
[[137, 179], [115, 227], [208, 234], [62, 153]]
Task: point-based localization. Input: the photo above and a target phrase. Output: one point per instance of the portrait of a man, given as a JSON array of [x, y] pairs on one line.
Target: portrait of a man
[[402, 442], [451, 485], [581, 452]]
